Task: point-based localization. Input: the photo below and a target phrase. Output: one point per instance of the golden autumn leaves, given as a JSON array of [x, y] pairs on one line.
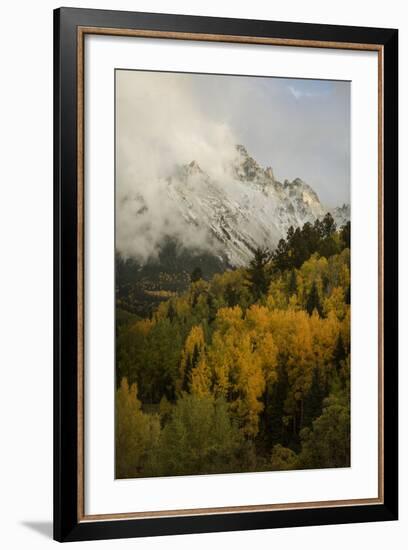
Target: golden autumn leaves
[[243, 356]]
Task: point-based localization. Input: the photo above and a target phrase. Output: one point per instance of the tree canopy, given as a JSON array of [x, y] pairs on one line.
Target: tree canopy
[[245, 371]]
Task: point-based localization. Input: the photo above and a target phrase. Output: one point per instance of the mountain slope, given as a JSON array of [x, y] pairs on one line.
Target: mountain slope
[[245, 208]]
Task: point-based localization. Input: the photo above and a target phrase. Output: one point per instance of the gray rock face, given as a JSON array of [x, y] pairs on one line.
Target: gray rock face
[[247, 208], [227, 215]]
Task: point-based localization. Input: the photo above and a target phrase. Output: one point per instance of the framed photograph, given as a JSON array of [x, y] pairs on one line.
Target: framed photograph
[[225, 274]]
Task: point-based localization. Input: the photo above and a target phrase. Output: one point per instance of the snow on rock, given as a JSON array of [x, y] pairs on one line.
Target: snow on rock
[[244, 208]]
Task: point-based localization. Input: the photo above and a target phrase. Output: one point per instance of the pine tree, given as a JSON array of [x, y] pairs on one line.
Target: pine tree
[[313, 404], [196, 274], [231, 296], [292, 287], [328, 225], [313, 301], [327, 443], [347, 297], [272, 424], [345, 234], [171, 312], [212, 308], [281, 260], [257, 275], [339, 353], [191, 363]]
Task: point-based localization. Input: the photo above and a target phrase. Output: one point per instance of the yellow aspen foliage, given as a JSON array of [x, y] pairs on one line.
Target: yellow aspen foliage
[[162, 310], [276, 298], [135, 432], [200, 384], [334, 303], [241, 358], [263, 344], [294, 334], [220, 362], [281, 326], [190, 356], [182, 308], [294, 303], [301, 359], [233, 281], [144, 326], [267, 352], [258, 318], [325, 333], [229, 317], [312, 271], [248, 382], [339, 269], [315, 266], [201, 309]]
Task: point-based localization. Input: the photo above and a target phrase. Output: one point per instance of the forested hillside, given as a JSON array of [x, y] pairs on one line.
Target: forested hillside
[[248, 370]]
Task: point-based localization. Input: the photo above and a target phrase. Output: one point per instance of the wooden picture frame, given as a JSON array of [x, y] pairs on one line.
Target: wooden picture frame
[[70, 28]]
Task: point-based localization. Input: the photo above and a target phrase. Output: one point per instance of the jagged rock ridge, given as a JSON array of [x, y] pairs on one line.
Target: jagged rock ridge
[[248, 208]]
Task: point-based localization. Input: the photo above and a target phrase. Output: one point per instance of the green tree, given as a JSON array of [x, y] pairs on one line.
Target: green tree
[[212, 307], [200, 438], [313, 301], [273, 429], [258, 276], [313, 402], [339, 353], [159, 358], [196, 274], [231, 295], [345, 235], [280, 256], [283, 458], [136, 433], [292, 285], [171, 312], [328, 225], [327, 443], [191, 363]]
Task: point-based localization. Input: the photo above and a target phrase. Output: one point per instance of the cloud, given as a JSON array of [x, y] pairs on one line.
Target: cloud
[[159, 125], [298, 94]]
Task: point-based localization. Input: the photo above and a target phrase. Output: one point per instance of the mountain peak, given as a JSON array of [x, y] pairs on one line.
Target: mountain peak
[[269, 173], [231, 215], [301, 189], [247, 169], [242, 150], [193, 168], [186, 171]]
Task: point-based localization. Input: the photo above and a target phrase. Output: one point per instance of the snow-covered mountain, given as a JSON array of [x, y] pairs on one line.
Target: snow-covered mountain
[[227, 214], [341, 214], [246, 208]]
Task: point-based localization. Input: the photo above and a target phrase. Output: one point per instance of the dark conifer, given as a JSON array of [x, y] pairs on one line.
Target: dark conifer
[[292, 286], [196, 275], [257, 275], [313, 403], [313, 301], [339, 353]]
